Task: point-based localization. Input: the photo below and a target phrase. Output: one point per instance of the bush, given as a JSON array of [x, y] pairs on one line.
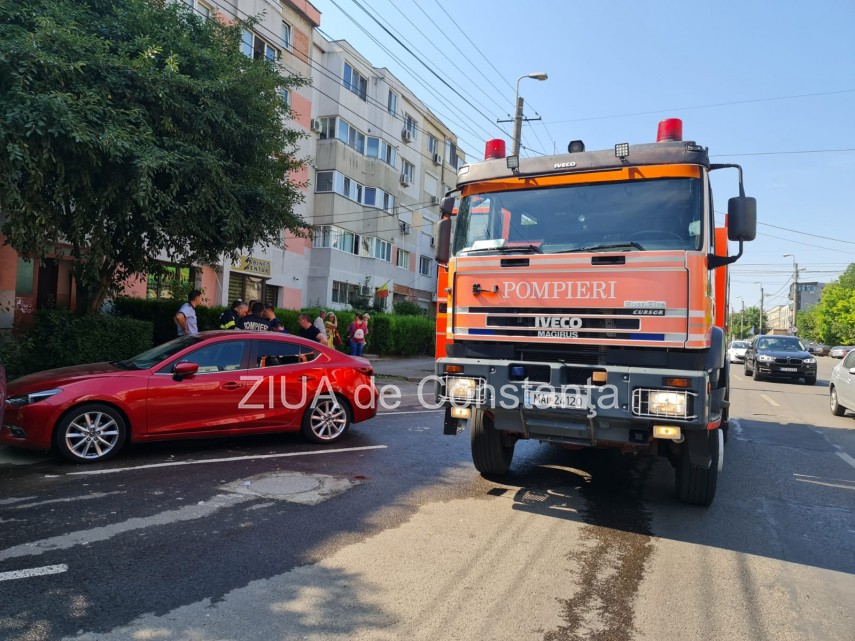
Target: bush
[[408, 308], [413, 335], [381, 339], [58, 339]]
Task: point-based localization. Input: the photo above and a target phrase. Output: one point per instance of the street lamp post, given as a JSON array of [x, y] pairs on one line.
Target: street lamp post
[[795, 290], [741, 317], [518, 116], [761, 304]]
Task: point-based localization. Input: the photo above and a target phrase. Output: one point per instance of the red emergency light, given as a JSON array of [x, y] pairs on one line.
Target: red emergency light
[[494, 149], [670, 129]]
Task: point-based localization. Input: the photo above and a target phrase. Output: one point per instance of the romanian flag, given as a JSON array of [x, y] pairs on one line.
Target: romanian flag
[[383, 290]]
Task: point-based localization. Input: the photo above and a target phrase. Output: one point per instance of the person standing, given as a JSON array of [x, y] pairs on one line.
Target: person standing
[[331, 329], [229, 318], [319, 321], [270, 315], [309, 331], [358, 331], [185, 318], [255, 321]]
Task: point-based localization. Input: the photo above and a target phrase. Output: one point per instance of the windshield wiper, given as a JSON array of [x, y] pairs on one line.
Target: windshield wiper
[[504, 249], [627, 244]]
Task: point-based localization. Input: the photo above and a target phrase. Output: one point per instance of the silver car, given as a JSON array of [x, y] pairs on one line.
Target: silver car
[[842, 385], [839, 351], [736, 351]]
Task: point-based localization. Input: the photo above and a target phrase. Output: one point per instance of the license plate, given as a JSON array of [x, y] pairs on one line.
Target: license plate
[[789, 369], [558, 400]]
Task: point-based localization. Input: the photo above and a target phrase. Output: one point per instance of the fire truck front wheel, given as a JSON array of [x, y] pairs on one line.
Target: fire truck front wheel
[[696, 484], [490, 452]]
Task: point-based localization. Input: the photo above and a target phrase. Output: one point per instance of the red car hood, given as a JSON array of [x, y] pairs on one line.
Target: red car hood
[[61, 376]]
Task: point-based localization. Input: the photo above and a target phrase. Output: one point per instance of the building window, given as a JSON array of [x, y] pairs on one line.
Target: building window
[[389, 203], [425, 265], [327, 127], [336, 182], [376, 248], [24, 277], [351, 136], [403, 259], [410, 126], [286, 96], [333, 237], [392, 103], [379, 148], [324, 181], [355, 81], [247, 288], [408, 172], [451, 153], [344, 292], [173, 282], [433, 145], [255, 47], [286, 36]]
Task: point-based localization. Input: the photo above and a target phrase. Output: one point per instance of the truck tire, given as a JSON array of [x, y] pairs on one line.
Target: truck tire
[[696, 485], [489, 453]]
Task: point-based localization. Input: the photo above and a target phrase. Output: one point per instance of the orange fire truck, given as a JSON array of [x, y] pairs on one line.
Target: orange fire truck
[[582, 302]]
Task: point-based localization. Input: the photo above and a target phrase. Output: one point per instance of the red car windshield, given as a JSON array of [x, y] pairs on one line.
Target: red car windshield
[[158, 354]]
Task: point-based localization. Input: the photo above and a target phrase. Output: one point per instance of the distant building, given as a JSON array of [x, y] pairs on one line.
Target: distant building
[[383, 162], [809, 294], [778, 317]]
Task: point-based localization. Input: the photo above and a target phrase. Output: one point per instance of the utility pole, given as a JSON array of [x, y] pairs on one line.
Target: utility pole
[[761, 305], [742, 319], [793, 325], [518, 115]]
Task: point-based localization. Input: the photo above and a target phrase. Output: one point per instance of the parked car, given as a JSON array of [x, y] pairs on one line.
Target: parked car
[[779, 356], [818, 349], [841, 387], [839, 351], [222, 383], [736, 351]]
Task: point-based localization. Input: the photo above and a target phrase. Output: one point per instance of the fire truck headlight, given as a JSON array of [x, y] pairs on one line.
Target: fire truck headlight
[[462, 388], [667, 403]]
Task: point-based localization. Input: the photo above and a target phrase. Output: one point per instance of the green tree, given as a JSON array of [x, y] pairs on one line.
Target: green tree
[[806, 323], [835, 311], [746, 323], [133, 129]]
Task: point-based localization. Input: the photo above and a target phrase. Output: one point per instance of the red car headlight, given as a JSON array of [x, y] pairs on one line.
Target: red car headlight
[[32, 397]]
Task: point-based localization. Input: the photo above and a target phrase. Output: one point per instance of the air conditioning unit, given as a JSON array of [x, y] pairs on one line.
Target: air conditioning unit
[[437, 159], [405, 180], [316, 124], [405, 227], [434, 200], [406, 136]]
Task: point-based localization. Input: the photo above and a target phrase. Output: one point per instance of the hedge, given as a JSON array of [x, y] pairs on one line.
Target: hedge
[[388, 334], [58, 339]]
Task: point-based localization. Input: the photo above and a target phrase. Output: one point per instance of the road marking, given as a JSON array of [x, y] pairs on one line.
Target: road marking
[[737, 376], [24, 574], [846, 458], [771, 402], [225, 460]]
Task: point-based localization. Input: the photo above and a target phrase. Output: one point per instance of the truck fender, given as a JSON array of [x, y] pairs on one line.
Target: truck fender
[[716, 355]]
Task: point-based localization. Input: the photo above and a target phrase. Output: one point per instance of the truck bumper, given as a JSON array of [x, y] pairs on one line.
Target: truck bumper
[[578, 404]]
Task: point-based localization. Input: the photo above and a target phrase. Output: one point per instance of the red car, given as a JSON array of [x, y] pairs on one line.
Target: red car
[[223, 383]]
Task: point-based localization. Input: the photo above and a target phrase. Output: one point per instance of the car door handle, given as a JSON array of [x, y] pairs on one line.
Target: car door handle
[[231, 386]]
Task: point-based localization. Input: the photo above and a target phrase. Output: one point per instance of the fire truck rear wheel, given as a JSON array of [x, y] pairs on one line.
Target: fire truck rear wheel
[[697, 485], [490, 453]]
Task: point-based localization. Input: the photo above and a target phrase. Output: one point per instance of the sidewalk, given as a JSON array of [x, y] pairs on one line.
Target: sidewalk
[[411, 369]]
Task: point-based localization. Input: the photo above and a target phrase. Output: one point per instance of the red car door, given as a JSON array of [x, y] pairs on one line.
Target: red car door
[[287, 376], [207, 401]]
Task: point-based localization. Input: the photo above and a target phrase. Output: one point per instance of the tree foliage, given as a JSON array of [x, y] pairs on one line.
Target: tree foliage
[[746, 323], [132, 130], [833, 317]]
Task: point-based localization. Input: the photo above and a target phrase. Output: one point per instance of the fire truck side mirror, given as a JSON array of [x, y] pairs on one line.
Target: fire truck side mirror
[[741, 218], [442, 233], [446, 206]]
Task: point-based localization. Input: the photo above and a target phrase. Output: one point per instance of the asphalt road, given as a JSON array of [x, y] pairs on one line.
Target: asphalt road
[[391, 534]]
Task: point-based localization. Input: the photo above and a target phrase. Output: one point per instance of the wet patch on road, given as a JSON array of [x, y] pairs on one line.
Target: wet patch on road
[[296, 487], [612, 563]]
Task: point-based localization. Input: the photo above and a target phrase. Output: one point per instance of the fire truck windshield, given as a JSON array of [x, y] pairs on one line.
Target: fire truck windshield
[[661, 214]]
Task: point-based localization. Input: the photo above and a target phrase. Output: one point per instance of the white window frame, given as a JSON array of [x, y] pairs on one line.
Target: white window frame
[[287, 36], [392, 103], [425, 264], [403, 256], [358, 83], [408, 171], [248, 47], [411, 126]]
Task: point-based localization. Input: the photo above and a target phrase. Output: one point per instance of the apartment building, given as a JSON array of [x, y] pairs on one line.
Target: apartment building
[[383, 160]]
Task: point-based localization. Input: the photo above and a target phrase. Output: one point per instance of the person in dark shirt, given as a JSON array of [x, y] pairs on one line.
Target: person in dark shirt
[[230, 317], [270, 314], [308, 330], [254, 321]]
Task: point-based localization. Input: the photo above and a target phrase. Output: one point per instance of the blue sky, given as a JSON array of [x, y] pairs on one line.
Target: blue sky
[[770, 86]]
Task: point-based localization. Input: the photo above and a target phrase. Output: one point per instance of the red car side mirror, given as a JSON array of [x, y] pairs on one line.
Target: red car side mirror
[[185, 369]]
